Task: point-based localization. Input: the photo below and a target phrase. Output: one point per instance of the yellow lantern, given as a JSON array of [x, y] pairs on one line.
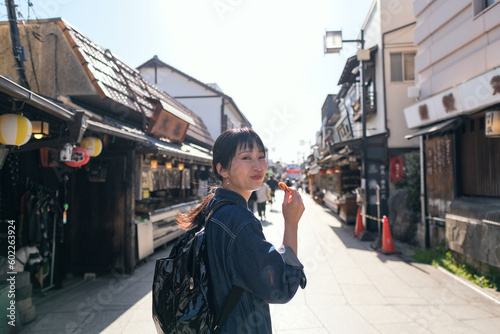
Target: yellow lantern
[[93, 145], [15, 130]]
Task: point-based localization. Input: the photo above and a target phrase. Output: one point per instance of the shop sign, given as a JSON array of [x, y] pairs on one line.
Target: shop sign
[[344, 129], [396, 169], [472, 95], [167, 122], [492, 121]]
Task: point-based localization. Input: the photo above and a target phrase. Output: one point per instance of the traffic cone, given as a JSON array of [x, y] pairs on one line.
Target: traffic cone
[[359, 228], [387, 243]]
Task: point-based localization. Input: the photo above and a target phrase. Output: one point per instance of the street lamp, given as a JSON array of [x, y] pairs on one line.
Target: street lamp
[[333, 44]]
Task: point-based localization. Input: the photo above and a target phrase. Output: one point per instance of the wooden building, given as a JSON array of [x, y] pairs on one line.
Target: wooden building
[[155, 151]]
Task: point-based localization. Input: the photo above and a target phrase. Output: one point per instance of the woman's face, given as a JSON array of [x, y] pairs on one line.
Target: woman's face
[[246, 172]]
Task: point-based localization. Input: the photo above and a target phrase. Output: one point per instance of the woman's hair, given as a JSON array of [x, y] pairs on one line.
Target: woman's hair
[[224, 150]]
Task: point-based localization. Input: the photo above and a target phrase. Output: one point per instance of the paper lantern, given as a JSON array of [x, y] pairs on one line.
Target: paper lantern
[[79, 157], [15, 130], [93, 145]]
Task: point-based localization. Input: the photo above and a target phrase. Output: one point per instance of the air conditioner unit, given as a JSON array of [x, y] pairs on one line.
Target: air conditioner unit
[[414, 91]]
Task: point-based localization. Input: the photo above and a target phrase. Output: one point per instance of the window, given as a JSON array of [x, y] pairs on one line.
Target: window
[[402, 66], [490, 2], [480, 6]]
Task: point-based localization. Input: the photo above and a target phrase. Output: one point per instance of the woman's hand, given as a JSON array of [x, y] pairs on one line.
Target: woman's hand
[[292, 209]]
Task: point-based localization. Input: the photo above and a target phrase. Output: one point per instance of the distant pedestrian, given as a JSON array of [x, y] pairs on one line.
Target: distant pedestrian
[[273, 184], [263, 195]]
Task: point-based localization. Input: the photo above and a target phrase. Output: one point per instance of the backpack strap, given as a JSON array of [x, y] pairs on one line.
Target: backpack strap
[[215, 207], [231, 301], [236, 292]]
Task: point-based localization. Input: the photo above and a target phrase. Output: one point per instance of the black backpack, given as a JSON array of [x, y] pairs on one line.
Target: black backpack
[[180, 286]]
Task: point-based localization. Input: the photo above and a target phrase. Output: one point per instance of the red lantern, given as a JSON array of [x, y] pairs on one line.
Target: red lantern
[[322, 172], [79, 157]]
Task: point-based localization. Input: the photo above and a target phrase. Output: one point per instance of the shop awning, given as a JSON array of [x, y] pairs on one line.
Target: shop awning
[[314, 170], [188, 151], [443, 126], [344, 152]]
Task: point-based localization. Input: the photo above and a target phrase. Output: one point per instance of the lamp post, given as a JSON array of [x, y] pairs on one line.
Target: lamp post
[[333, 44]]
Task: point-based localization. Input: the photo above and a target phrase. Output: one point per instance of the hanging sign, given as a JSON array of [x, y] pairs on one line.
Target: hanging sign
[[492, 121], [396, 169]]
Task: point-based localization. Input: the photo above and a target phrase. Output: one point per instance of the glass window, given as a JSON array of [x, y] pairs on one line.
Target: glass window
[[409, 61], [490, 2], [402, 66], [396, 68]]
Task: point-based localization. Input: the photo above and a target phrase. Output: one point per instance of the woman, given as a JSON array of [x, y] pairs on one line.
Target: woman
[[238, 253]]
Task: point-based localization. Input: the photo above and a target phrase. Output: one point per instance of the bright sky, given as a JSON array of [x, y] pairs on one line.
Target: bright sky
[[267, 55]]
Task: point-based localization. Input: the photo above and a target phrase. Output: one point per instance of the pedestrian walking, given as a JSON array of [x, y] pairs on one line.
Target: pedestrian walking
[[237, 250], [263, 195], [273, 184]]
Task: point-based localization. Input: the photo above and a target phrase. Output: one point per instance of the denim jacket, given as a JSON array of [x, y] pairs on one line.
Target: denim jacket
[[238, 254]]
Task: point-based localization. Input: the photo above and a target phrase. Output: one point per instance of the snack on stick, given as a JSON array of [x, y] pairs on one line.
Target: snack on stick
[[284, 187]]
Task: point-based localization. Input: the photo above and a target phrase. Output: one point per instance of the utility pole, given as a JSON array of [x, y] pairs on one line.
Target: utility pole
[[18, 50]]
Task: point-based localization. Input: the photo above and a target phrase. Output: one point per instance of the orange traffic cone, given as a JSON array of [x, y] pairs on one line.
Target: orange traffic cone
[[359, 228], [387, 243]]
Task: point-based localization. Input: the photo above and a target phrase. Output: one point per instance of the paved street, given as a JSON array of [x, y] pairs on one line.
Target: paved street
[[351, 289]]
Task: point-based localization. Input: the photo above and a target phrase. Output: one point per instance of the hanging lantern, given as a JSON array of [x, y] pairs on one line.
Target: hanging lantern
[[93, 145], [40, 129], [15, 130], [180, 166], [168, 165], [154, 163], [79, 157]]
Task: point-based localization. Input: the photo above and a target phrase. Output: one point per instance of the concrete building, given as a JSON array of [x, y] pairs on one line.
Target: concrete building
[[456, 115]]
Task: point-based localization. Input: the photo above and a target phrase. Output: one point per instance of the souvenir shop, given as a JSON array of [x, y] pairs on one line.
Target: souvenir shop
[[80, 196]]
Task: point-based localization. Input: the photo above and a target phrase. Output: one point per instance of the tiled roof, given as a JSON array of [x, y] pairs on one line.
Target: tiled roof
[[115, 80]]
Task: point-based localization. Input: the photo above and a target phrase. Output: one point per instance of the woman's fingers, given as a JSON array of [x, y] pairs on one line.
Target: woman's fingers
[[292, 207]]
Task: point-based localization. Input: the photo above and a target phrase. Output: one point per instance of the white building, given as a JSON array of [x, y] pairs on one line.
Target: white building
[[217, 110], [456, 116]]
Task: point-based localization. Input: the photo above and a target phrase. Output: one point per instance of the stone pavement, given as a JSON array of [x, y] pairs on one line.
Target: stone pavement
[[351, 289]]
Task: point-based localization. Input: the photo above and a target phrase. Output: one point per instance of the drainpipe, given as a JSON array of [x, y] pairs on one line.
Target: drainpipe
[[223, 126], [422, 175], [423, 195]]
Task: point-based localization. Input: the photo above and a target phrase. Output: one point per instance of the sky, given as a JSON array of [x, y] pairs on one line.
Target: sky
[[267, 55]]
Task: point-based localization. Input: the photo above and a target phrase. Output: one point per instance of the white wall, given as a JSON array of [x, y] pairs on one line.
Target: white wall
[[176, 85], [454, 44], [383, 28]]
